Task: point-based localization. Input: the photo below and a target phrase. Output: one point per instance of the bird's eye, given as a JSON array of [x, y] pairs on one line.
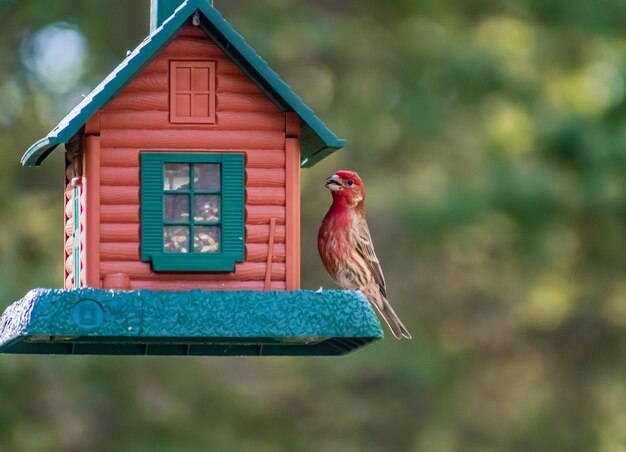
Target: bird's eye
[[349, 182]]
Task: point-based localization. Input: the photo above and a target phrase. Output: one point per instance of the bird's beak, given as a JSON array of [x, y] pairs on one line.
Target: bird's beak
[[333, 183]]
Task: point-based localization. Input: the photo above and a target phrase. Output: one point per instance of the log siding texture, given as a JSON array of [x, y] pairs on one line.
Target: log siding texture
[[68, 230], [137, 120]]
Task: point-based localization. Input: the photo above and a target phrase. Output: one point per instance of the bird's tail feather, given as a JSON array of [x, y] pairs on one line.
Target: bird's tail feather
[[391, 318]]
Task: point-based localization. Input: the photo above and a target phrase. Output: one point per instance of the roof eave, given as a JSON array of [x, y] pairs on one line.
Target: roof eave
[[36, 154]]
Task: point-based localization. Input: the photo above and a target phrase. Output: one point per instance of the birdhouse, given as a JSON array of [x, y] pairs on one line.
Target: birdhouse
[[182, 209]]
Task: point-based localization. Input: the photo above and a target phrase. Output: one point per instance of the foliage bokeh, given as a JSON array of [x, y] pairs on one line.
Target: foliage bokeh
[[492, 140]]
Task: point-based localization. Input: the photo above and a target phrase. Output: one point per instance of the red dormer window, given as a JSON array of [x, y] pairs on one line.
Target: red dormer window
[[192, 92]]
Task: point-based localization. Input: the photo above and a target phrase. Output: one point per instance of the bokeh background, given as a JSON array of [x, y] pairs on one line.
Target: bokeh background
[[492, 139]]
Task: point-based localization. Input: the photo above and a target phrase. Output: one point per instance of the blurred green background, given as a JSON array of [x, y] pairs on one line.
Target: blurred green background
[[491, 136]]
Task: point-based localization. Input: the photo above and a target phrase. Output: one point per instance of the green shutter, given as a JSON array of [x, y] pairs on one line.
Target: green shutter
[[151, 205], [233, 207]]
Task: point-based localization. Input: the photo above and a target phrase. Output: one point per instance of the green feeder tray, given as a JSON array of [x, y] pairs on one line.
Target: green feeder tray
[[193, 323]]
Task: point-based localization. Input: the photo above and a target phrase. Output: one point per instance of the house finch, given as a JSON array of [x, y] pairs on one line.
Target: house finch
[[346, 249]]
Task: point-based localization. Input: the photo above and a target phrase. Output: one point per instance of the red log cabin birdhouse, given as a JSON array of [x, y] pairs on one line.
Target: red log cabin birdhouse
[[182, 208]]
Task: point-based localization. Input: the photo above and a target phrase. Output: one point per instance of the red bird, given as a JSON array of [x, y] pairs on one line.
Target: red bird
[[346, 249]]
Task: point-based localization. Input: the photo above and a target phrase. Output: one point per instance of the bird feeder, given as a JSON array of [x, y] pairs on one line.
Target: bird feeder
[[182, 209]]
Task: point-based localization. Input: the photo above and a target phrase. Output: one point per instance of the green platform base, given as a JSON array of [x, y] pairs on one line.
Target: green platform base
[[193, 323]]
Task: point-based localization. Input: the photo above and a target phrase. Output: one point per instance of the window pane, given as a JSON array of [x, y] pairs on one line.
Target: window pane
[[206, 239], [207, 208], [183, 105], [183, 79], [176, 239], [206, 176], [176, 208], [201, 105], [176, 176], [200, 79]]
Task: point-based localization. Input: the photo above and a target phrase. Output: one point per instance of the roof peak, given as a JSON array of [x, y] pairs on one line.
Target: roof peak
[[161, 10], [317, 140]]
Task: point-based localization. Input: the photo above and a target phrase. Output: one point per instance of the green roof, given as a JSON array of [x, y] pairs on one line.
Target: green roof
[[317, 140], [195, 323]]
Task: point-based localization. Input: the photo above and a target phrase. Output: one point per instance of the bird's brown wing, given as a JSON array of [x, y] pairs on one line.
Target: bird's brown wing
[[365, 248]]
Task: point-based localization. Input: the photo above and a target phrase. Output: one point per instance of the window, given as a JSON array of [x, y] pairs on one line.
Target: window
[[192, 211], [192, 92]]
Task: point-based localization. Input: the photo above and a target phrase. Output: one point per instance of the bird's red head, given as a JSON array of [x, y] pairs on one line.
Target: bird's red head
[[346, 187]]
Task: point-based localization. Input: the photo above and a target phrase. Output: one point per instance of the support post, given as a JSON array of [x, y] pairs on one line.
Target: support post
[[292, 133], [91, 208]]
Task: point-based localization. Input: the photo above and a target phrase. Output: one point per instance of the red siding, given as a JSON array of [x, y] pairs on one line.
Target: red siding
[[68, 217], [137, 119]]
